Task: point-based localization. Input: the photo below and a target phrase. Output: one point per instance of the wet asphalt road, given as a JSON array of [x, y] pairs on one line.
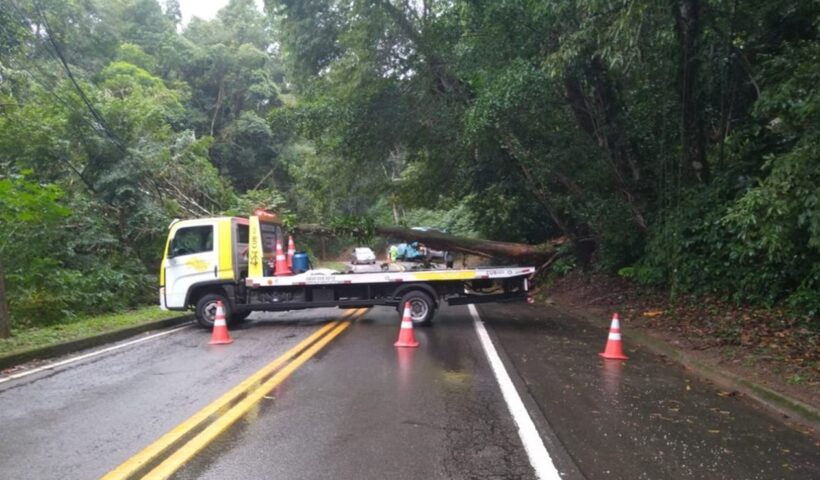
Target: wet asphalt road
[[82, 420], [362, 409], [646, 418]]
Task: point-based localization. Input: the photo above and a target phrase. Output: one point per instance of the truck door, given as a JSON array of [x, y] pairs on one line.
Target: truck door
[[192, 258]]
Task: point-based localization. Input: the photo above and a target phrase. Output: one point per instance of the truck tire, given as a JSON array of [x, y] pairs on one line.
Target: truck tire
[[206, 309], [422, 307]]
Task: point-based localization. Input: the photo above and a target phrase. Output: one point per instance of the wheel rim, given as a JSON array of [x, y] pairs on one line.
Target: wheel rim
[[209, 312], [418, 310]]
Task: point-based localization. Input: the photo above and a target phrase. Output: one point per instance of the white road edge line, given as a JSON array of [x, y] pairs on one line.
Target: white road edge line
[[539, 457], [88, 355]]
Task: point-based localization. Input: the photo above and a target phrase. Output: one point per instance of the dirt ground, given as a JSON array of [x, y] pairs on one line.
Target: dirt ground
[[768, 346]]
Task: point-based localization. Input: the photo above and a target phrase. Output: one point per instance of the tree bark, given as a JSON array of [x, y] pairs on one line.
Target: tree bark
[[219, 94], [5, 319], [442, 241], [599, 115], [395, 211], [513, 146], [693, 143]]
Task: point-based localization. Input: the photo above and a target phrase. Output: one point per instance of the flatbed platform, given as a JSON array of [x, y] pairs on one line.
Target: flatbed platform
[[325, 276]]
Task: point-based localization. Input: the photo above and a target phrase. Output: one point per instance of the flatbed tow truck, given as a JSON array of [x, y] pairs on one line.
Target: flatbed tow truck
[[227, 259]]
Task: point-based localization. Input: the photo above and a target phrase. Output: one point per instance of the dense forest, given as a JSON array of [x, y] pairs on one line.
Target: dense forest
[[674, 143]]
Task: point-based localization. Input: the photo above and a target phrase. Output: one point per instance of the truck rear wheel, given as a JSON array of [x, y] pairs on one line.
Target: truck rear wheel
[[206, 309], [422, 307]]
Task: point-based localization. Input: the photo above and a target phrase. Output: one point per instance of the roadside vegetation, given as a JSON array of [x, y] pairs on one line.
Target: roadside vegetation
[[78, 328], [674, 144]]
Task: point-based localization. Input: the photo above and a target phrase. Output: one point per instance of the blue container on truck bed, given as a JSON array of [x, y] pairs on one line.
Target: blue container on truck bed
[[300, 262]]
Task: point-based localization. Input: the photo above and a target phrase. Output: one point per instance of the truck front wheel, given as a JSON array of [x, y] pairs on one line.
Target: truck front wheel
[[206, 309], [422, 307]]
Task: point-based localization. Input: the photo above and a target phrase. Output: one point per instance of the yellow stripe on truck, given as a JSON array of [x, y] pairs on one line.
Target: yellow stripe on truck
[[254, 248], [162, 272], [164, 264], [467, 275], [225, 254]]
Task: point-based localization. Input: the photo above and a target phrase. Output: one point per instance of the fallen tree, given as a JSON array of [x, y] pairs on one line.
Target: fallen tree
[[441, 241]]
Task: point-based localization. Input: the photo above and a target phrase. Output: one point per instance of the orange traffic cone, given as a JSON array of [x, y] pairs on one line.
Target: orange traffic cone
[[614, 346], [220, 334], [291, 251], [406, 336], [281, 268]]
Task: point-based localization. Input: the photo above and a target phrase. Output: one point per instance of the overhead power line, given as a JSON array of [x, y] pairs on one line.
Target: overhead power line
[[94, 113]]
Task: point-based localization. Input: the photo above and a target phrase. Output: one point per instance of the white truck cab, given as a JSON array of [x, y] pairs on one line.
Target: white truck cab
[[203, 256]]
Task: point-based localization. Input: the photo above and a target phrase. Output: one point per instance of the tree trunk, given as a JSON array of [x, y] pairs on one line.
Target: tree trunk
[[396, 216], [441, 241], [600, 115], [5, 320], [693, 143], [513, 146], [445, 82], [219, 94]]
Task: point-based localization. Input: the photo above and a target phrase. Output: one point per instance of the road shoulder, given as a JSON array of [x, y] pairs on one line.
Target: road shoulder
[[789, 408], [18, 358]]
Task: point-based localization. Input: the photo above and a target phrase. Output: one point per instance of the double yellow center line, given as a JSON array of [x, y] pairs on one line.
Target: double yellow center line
[[161, 458]]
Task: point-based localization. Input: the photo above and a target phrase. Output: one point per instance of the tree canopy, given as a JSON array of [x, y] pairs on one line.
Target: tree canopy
[[674, 143]]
